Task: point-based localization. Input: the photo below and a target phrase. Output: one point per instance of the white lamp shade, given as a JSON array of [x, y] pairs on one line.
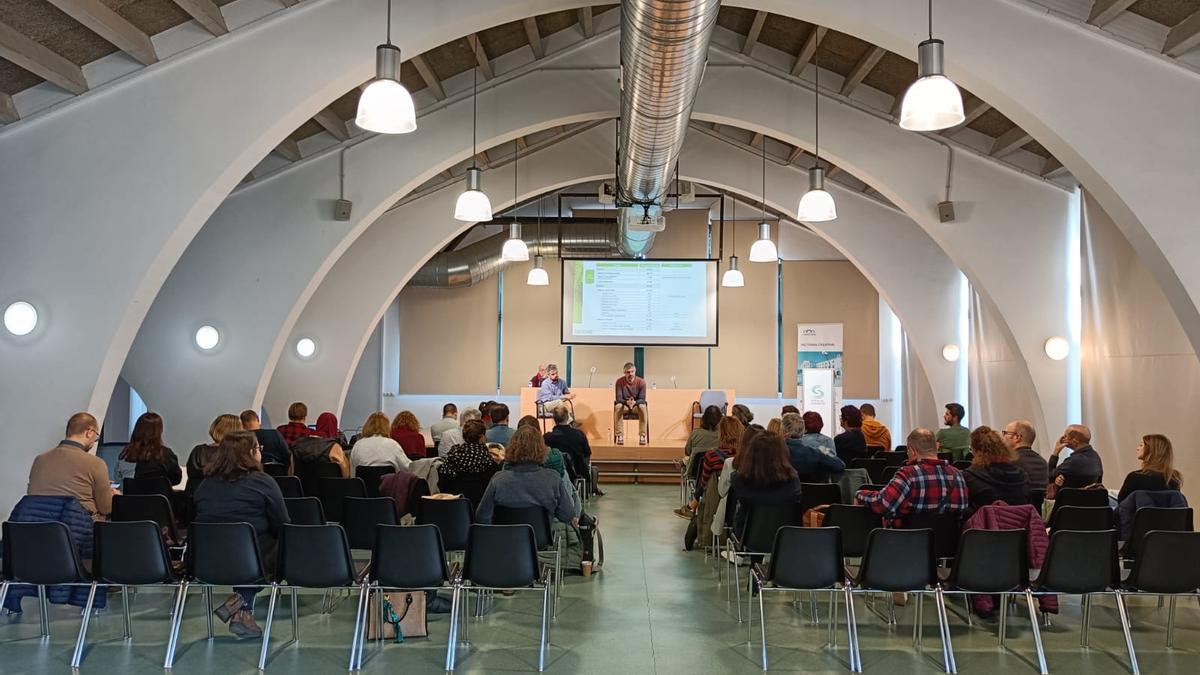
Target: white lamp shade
[[473, 206], [515, 250], [931, 103], [1057, 348], [306, 347], [207, 338], [733, 278], [764, 250], [386, 107], [538, 277], [20, 318], [816, 206], [951, 352]]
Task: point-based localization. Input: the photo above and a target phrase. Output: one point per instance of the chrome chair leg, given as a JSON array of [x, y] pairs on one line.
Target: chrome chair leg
[[918, 621], [943, 619], [1086, 610], [3, 592], [358, 621], [295, 617], [43, 609], [1171, 623], [762, 626], [176, 620], [737, 582], [833, 619], [125, 612], [77, 657], [452, 639], [208, 607], [266, 636], [545, 624], [1037, 633], [1121, 611], [852, 630], [1003, 618]]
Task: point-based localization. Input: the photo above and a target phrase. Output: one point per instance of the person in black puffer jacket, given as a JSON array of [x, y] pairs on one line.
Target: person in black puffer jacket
[[993, 474]]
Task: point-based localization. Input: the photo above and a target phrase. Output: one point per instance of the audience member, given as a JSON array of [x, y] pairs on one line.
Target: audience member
[[954, 438], [526, 482], [500, 432], [1083, 467], [145, 456], [70, 470], [704, 438], [1158, 468], [1019, 435], [574, 445], [406, 430], [376, 447], [452, 437], [297, 426], [470, 457], [729, 435], [994, 474], [764, 477], [630, 397], [485, 413], [236, 490], [775, 426], [309, 452], [554, 392], [925, 484], [788, 409], [274, 448], [850, 444], [874, 432], [202, 454], [554, 458], [742, 413], [809, 457], [327, 427], [449, 421], [538, 377]]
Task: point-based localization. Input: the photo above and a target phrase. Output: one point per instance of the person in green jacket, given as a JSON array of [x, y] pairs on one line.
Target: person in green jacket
[[955, 438]]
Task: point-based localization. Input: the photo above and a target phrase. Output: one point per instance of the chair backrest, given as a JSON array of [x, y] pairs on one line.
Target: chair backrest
[[713, 397], [763, 521], [315, 556], [371, 475], [130, 553], [290, 486], [856, 523], [1082, 518], [944, 456], [223, 554], [872, 486], [275, 469], [1151, 518], [961, 464], [311, 473], [305, 510], [873, 465], [41, 553], [991, 561], [332, 492], [408, 557], [946, 528], [807, 557], [873, 450], [893, 458], [1166, 562], [501, 556], [453, 518], [533, 516], [362, 514], [156, 485], [1079, 497], [471, 486], [1080, 562], [898, 560], [129, 508], [889, 472], [815, 494], [1037, 496]]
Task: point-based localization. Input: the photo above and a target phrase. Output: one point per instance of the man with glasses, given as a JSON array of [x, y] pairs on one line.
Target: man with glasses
[[1019, 436], [70, 470]]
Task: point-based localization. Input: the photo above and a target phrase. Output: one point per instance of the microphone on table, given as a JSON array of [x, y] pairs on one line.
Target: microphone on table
[[673, 383], [591, 374]]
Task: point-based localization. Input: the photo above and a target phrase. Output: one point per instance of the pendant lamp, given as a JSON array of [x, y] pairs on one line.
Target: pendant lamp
[[473, 205], [537, 275], [764, 249], [515, 249], [816, 206], [933, 102], [385, 106], [733, 276]]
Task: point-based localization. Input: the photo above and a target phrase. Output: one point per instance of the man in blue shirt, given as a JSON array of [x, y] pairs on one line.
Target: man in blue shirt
[[499, 432], [554, 393]]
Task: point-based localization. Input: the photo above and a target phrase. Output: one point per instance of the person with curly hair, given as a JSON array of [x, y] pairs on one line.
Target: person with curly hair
[[994, 474]]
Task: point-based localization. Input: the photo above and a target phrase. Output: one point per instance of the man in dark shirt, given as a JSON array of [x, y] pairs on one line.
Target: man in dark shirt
[[274, 448], [1083, 467], [630, 398], [574, 446], [1019, 435]]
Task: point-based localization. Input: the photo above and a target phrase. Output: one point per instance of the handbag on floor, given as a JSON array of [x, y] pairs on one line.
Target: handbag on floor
[[403, 616], [815, 517]]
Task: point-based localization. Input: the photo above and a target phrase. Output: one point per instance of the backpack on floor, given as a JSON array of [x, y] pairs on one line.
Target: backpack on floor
[[583, 543]]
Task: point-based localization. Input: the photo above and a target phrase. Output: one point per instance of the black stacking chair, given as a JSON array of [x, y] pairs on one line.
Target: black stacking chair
[[899, 458], [1077, 497], [371, 475], [1086, 518], [902, 561], [961, 464], [1166, 565], [313, 556], [132, 508], [500, 557], [875, 450], [310, 476], [1085, 564], [332, 492], [856, 523], [996, 562], [1037, 497], [362, 515], [946, 528], [873, 466], [758, 537], [41, 554], [816, 494], [305, 511], [944, 456], [1151, 518], [872, 486], [404, 559], [158, 485], [471, 486], [807, 559], [889, 472], [275, 469], [543, 534], [219, 554], [126, 554], [290, 486], [453, 518]]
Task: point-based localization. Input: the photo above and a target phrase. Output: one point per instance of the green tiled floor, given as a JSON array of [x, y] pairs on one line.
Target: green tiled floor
[[654, 609]]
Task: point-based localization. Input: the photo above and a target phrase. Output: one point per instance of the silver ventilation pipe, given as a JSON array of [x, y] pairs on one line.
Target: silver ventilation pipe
[[664, 45], [478, 261]]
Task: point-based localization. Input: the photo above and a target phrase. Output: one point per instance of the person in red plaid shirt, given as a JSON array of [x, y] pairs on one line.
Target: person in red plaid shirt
[[925, 484], [297, 426]]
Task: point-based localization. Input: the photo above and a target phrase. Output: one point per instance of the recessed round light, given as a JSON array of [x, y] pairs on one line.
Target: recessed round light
[[951, 352], [207, 338], [306, 347], [1057, 348], [20, 318]]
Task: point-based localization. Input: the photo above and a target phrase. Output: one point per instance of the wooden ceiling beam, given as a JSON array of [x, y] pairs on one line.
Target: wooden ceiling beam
[[833, 170], [40, 61], [756, 140], [1009, 142], [482, 158], [335, 125], [8, 110], [810, 47], [481, 57], [585, 22], [430, 77], [288, 149], [521, 144], [1051, 166], [111, 26], [534, 37], [1184, 35], [760, 17], [795, 154], [861, 69], [974, 110], [290, 3], [206, 13], [1104, 11]]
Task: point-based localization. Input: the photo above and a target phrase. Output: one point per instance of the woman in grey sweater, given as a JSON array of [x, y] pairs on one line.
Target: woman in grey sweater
[[526, 482]]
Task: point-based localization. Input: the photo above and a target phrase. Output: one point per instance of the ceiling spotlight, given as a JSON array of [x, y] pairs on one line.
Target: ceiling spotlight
[[207, 338], [385, 106], [951, 352], [1057, 348], [537, 275], [306, 347], [763, 250], [20, 318]]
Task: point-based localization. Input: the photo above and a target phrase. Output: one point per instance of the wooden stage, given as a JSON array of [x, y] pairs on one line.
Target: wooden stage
[[670, 413]]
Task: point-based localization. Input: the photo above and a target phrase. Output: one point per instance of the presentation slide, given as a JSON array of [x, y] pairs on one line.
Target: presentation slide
[[639, 302]]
